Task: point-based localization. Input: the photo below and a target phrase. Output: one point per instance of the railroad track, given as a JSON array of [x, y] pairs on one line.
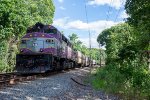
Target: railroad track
[[9, 79]]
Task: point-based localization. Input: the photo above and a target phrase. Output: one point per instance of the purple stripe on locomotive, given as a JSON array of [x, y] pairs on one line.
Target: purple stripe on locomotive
[[39, 34], [45, 50]]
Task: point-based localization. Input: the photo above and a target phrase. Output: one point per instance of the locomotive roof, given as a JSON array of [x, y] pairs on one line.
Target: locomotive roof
[[40, 26]]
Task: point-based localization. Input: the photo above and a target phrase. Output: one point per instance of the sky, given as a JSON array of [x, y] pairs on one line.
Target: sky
[[70, 17]]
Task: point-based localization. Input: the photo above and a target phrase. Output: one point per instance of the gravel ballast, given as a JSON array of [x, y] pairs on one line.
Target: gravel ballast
[[55, 87]]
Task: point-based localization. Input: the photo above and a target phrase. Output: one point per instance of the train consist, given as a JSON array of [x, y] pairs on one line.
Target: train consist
[[44, 49]]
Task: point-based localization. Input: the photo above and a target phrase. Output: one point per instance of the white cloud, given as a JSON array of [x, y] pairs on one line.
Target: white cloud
[[77, 24], [60, 1], [113, 3], [62, 8], [94, 43], [123, 14], [61, 22], [95, 27]]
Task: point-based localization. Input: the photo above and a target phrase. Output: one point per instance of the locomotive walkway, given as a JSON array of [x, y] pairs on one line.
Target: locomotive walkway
[[62, 86]]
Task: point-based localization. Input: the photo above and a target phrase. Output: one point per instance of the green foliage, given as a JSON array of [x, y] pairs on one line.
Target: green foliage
[[97, 53], [126, 67], [77, 44], [98, 79], [15, 17], [140, 19]]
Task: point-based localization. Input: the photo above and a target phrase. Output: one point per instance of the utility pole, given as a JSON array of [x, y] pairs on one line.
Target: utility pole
[[90, 46], [86, 14], [100, 54]]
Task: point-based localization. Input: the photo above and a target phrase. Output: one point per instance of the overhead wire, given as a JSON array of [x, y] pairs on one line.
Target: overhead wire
[[107, 18], [119, 11], [108, 12], [87, 21], [128, 30]]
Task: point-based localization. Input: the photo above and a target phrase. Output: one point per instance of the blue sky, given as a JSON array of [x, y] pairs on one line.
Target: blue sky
[[70, 17]]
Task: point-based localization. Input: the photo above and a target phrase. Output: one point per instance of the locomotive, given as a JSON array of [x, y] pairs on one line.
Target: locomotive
[[44, 49]]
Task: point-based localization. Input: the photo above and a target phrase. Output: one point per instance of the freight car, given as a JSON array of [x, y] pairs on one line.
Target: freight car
[[44, 49]]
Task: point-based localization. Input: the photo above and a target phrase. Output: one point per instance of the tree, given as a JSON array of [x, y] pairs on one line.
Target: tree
[[15, 17], [140, 19], [124, 62], [73, 38]]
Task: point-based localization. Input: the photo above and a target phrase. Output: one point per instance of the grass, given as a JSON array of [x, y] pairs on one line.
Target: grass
[[112, 82]]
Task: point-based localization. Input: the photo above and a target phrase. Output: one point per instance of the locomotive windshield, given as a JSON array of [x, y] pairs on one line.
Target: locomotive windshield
[[50, 31]]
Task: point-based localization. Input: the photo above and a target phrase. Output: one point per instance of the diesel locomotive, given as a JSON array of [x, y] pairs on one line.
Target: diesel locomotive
[[44, 49]]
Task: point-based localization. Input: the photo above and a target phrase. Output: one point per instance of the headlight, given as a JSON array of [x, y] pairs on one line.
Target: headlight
[[35, 44]]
